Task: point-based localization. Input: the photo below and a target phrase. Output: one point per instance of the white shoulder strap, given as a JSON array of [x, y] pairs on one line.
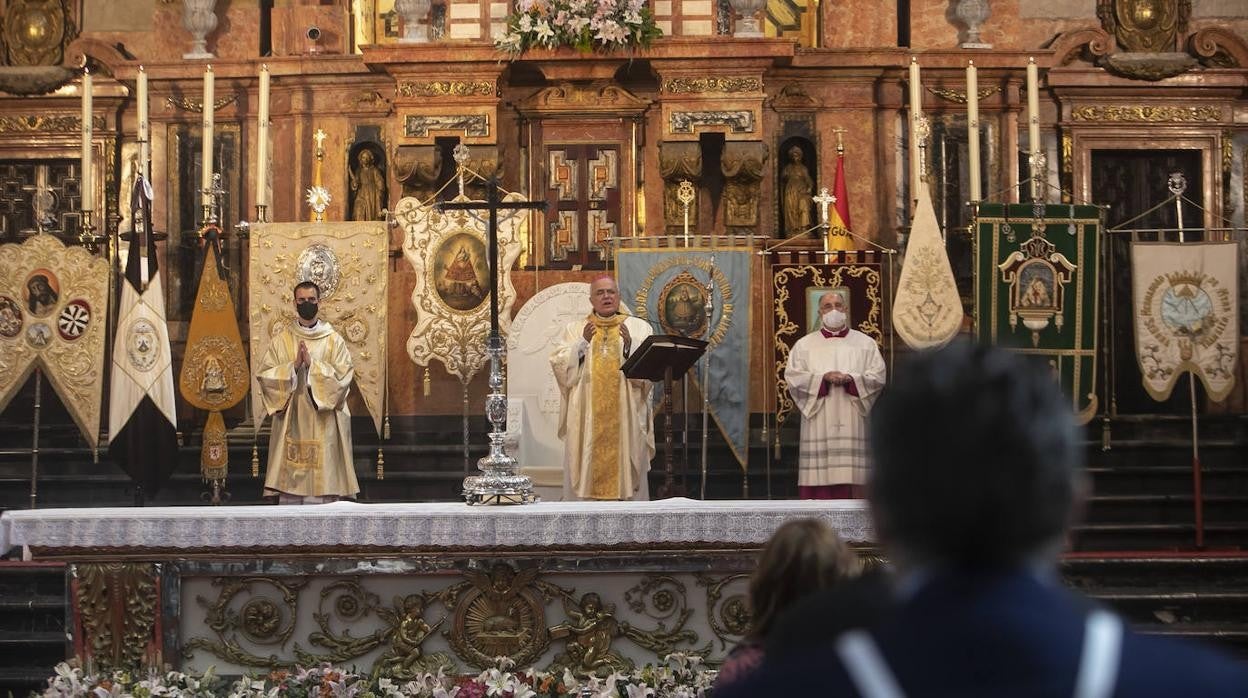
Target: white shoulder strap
[[866, 666], [1102, 651], [1098, 663]]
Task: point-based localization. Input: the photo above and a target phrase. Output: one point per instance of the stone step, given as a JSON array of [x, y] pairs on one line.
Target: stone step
[[1220, 535], [1165, 508]]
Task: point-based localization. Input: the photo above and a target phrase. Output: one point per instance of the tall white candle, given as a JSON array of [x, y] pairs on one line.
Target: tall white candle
[[86, 179], [205, 181], [1033, 122], [262, 141], [145, 137], [972, 126], [916, 112]]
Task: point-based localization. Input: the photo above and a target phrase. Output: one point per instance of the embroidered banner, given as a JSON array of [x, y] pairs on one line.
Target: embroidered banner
[[53, 301], [1186, 307], [348, 262], [451, 296], [927, 311], [1036, 289], [214, 373], [795, 290], [669, 288]]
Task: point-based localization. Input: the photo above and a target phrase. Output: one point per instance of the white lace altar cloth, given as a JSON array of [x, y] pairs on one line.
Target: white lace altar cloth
[[414, 527]]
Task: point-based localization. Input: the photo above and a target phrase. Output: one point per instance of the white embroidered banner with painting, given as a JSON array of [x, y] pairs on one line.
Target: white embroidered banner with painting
[[1186, 307], [451, 296]]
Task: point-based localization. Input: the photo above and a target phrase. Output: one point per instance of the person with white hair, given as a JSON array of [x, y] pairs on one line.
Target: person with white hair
[[605, 418], [834, 375]]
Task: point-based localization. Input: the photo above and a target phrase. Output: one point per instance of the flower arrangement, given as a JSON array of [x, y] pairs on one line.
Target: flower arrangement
[[681, 676], [582, 24]]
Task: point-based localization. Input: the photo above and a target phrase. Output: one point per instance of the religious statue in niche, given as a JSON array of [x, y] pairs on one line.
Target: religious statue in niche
[[796, 189], [368, 186]]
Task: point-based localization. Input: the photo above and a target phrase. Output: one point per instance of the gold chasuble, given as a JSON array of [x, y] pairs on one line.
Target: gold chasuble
[[605, 419], [310, 445]]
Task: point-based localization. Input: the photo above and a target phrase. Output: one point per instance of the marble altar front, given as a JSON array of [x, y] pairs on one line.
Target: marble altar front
[[409, 588]]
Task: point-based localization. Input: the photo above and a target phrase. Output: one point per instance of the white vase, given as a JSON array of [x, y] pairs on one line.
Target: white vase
[[748, 25], [414, 14], [200, 18], [973, 14]]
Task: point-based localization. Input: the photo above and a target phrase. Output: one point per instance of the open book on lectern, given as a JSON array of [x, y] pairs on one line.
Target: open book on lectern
[[659, 352]]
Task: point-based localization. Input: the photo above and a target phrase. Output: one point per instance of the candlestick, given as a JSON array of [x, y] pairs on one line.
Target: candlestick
[[1033, 124], [916, 113], [205, 175], [87, 185], [262, 142], [972, 126], [145, 143]]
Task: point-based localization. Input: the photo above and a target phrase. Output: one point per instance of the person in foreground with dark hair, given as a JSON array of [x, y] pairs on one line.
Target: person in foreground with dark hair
[[304, 380], [802, 556], [977, 472]]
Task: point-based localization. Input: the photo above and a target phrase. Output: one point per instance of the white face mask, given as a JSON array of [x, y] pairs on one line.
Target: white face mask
[[834, 319]]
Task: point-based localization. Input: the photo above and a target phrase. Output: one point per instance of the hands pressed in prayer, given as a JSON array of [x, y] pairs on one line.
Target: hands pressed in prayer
[[836, 378], [303, 359]]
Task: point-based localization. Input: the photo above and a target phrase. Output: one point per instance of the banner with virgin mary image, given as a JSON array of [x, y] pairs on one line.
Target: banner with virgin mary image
[[669, 288], [1036, 289]]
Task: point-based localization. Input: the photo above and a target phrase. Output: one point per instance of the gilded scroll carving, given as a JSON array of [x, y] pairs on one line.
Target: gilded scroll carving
[[736, 121], [471, 125], [447, 88], [1150, 114], [118, 638], [712, 84]]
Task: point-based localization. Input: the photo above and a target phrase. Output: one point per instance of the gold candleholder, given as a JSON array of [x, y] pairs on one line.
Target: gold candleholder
[[86, 232]]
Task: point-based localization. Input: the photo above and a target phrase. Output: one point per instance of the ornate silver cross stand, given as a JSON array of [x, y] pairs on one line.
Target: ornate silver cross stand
[[499, 481]]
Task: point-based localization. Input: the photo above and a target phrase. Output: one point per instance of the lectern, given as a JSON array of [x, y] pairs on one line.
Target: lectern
[[664, 357]]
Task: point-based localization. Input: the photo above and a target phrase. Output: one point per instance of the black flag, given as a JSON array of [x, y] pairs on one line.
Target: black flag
[[142, 420]]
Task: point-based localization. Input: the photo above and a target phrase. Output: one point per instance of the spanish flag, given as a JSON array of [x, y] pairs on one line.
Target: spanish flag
[[838, 219]]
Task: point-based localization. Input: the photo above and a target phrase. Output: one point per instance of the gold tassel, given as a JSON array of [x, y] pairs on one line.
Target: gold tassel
[[255, 461], [777, 444], [381, 464], [428, 384], [385, 428]]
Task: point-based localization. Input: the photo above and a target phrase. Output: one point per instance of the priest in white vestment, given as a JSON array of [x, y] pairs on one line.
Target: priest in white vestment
[[605, 420], [304, 379], [834, 375]]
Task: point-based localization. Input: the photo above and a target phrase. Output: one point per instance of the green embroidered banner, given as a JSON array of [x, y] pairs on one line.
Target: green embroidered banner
[[1036, 289]]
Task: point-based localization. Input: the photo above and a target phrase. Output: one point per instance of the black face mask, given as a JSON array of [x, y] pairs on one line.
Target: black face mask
[[307, 311]]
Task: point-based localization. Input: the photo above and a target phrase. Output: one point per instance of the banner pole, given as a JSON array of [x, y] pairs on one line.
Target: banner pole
[[34, 449], [1177, 184]]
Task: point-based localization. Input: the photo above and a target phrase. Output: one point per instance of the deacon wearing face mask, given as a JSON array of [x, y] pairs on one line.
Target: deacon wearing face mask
[[834, 375], [304, 380]]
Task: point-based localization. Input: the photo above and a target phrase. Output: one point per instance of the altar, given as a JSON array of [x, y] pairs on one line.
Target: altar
[[410, 588]]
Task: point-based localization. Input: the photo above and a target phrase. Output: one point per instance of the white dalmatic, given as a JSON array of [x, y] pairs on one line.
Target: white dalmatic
[[833, 447]]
